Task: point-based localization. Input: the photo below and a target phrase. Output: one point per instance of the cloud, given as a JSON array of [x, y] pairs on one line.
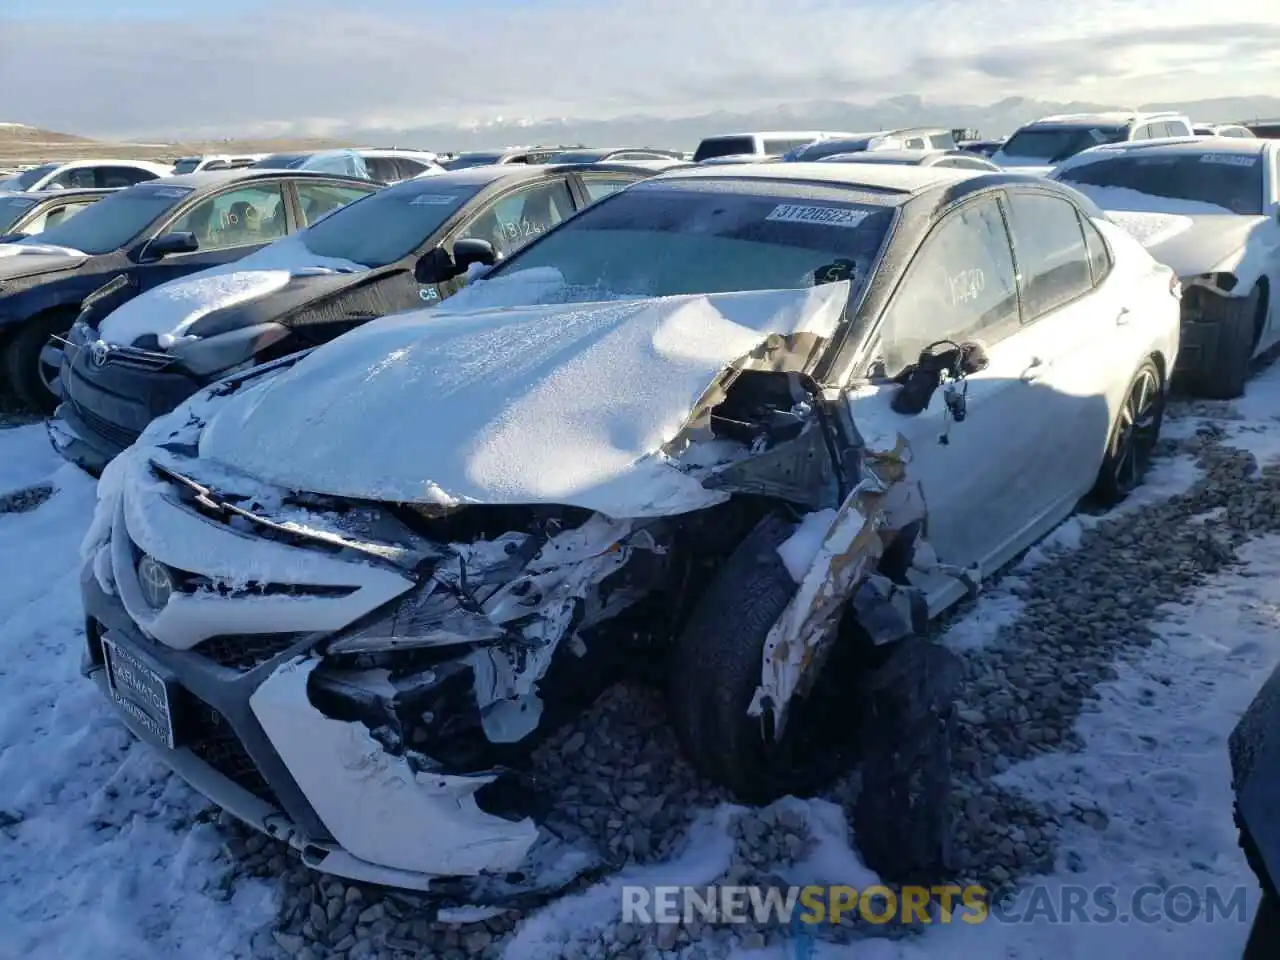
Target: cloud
[[280, 67]]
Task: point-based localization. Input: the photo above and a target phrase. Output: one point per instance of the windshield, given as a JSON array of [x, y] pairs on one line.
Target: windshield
[[1232, 181], [283, 161], [28, 178], [113, 221], [464, 160], [829, 148], [663, 239], [383, 227], [12, 210], [186, 165], [1052, 144], [723, 147]]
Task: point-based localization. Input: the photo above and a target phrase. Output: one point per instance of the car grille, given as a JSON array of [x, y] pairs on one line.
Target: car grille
[[111, 432], [133, 357], [244, 653], [212, 739]]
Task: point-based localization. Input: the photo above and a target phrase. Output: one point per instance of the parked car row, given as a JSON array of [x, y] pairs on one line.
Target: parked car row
[[442, 463], [409, 473]]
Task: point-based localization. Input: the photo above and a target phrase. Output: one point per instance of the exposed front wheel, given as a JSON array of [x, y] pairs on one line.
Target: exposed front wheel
[[33, 362], [1134, 436], [716, 668]]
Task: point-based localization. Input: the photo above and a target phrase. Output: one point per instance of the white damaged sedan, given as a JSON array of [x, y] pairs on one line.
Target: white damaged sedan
[[754, 424], [1210, 209]]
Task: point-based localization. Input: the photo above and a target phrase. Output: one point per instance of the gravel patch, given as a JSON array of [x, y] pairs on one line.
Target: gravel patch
[[619, 780], [20, 501]]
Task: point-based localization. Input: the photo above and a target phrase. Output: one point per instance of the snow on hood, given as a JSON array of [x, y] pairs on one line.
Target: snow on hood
[[566, 403], [1190, 236], [170, 309], [17, 248]]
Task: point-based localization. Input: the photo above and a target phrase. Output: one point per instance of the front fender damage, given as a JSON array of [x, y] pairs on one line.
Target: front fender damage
[[844, 572]]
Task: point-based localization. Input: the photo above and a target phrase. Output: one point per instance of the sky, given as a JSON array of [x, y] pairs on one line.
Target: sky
[[255, 67]]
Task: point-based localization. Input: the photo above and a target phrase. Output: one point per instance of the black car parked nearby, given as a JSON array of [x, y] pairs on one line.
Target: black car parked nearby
[[1255, 778], [405, 246], [24, 214], [135, 240]]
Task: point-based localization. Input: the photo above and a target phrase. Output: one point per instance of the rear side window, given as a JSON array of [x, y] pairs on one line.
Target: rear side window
[[723, 147], [1099, 255], [1176, 128], [600, 187], [777, 147], [121, 176], [1052, 256], [942, 141], [960, 286]]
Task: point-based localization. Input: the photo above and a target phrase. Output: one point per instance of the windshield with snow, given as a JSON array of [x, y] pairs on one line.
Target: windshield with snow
[[1232, 181], [383, 227], [28, 178], [12, 209], [1055, 144], [113, 221], [663, 239]]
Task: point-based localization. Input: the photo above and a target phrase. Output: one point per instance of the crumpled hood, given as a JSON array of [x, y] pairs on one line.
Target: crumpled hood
[[567, 403], [169, 310], [33, 261], [1190, 244]]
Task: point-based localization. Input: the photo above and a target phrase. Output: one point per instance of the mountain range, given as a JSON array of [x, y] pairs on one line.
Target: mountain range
[[997, 119]]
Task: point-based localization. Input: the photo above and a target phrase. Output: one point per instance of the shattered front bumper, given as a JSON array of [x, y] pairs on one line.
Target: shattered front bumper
[[1203, 314], [247, 734]]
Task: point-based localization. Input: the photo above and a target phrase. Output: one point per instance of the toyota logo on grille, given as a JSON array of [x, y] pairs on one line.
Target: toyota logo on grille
[[99, 352], [155, 581]]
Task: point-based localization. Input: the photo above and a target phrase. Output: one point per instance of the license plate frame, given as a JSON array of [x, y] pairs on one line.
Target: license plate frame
[[141, 689]]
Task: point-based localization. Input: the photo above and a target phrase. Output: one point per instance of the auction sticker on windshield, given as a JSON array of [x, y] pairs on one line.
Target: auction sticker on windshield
[[1229, 159], [827, 216]]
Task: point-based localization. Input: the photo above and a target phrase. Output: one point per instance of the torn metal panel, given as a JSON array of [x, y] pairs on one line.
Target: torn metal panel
[[376, 805], [883, 502]]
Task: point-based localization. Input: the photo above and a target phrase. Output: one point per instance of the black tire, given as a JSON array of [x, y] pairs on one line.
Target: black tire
[[715, 667], [1264, 935], [22, 364], [903, 814], [1227, 372], [1133, 438]]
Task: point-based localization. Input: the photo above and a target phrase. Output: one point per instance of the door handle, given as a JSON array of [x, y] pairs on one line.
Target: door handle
[[1123, 317], [1036, 369]]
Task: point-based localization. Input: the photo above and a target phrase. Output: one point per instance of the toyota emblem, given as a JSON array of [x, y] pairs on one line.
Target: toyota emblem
[[155, 581], [99, 352]]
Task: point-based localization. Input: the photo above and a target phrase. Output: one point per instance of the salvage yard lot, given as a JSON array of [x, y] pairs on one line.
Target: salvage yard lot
[[1103, 674]]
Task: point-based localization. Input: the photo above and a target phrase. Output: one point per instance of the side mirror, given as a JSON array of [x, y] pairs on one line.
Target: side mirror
[[172, 243], [439, 266]]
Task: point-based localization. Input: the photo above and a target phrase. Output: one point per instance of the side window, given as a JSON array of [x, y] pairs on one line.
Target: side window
[[600, 187], [382, 168], [237, 218], [915, 143], [317, 199], [73, 179], [407, 169], [1176, 128], [960, 286], [1141, 132], [1099, 255], [512, 221], [121, 176], [942, 141], [1052, 256]]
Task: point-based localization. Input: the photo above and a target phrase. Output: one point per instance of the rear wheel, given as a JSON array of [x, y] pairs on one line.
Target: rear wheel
[[1133, 438], [33, 360]]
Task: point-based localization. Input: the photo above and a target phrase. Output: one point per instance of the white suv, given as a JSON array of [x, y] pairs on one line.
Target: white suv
[[1041, 145]]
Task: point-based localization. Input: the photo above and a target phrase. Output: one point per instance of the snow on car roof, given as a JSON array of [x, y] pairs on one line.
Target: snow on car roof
[[1231, 146], [880, 176]]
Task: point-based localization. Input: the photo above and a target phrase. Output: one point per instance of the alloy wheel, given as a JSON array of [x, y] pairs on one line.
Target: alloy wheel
[[1137, 430]]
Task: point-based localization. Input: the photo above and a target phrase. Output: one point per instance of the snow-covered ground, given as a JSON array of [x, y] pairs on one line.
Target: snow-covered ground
[[105, 855]]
